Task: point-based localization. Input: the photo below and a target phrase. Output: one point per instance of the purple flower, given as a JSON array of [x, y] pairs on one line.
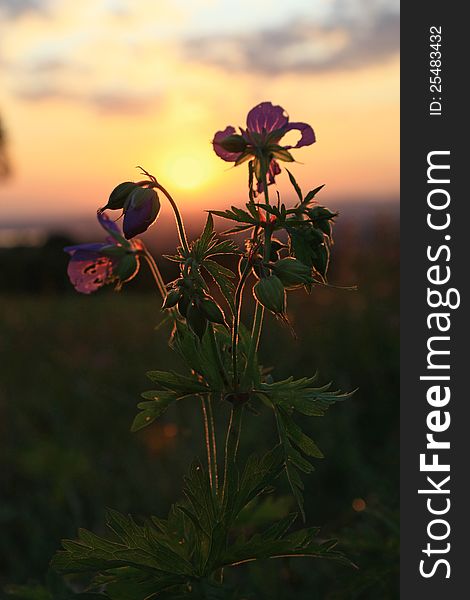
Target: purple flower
[[140, 211], [140, 205], [114, 261], [266, 125]]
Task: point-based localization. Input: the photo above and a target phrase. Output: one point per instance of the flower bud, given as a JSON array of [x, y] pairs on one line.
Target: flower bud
[[183, 305], [270, 292], [321, 212], [233, 143], [140, 211], [212, 311], [292, 272], [172, 298], [322, 219], [196, 320], [120, 194]]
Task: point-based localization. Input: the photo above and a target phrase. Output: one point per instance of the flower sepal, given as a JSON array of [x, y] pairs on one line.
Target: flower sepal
[[127, 267], [280, 153], [234, 143], [271, 294], [120, 195], [115, 250], [292, 272]]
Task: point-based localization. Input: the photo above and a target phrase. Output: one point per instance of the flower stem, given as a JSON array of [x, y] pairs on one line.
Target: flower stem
[[155, 272], [231, 444], [217, 357], [209, 434], [179, 220], [213, 442], [259, 310], [236, 323]]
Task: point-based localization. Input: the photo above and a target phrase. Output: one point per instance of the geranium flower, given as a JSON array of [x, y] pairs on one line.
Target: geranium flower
[[114, 261], [140, 205], [266, 125]]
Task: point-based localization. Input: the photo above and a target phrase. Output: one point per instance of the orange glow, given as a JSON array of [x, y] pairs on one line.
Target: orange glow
[[119, 95], [359, 504]]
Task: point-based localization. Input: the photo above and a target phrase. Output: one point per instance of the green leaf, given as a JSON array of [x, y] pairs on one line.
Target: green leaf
[[208, 232], [259, 473], [236, 214], [272, 544], [304, 443], [199, 357], [311, 195], [299, 395], [222, 279], [142, 548], [295, 185], [178, 383], [154, 407]]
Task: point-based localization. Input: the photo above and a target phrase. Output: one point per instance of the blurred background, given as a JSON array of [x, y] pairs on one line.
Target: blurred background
[[89, 90]]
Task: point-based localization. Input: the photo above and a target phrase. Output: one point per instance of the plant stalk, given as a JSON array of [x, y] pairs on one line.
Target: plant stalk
[[211, 447], [155, 272], [217, 357], [179, 220], [231, 444], [259, 310]]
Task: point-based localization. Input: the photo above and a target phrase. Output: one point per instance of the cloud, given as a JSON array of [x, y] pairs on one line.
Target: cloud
[[116, 102], [15, 8], [353, 34], [108, 101]]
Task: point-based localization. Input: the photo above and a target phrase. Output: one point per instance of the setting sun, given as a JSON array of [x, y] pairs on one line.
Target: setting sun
[[186, 169]]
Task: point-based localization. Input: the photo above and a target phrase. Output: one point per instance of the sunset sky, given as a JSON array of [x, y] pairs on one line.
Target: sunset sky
[[89, 89]]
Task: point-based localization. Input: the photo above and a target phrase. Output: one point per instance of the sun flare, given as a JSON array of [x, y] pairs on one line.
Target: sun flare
[[186, 169]]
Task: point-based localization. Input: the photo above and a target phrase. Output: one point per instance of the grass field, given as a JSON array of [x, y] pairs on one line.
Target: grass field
[[71, 371]]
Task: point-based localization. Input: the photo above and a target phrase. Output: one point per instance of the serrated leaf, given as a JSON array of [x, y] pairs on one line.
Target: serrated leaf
[[138, 547], [177, 383], [294, 457], [259, 473], [301, 440], [154, 407], [222, 280], [295, 185], [311, 195], [264, 546], [236, 214]]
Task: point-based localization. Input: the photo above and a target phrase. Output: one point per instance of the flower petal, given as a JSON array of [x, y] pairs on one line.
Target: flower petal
[[266, 117], [224, 154], [108, 224], [138, 219], [88, 270], [93, 248], [307, 135]]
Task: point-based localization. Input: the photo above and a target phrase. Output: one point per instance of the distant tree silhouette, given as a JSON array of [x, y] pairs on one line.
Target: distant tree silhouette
[[4, 164]]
